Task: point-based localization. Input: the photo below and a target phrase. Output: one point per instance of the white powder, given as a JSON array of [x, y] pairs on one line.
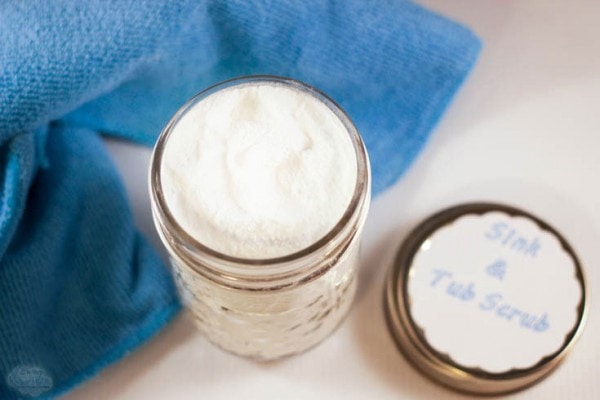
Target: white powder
[[258, 170]]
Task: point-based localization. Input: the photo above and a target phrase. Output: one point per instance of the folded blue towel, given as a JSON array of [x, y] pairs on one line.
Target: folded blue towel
[[79, 287]]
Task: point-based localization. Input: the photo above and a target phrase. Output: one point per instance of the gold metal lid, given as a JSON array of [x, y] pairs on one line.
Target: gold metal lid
[[485, 298]]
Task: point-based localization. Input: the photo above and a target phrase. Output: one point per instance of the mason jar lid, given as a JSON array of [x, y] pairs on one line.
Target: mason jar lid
[[485, 298]]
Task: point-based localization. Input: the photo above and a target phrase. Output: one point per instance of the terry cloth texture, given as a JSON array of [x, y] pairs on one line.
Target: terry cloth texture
[[79, 287]]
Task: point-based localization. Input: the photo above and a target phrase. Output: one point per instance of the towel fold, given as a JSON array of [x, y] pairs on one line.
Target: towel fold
[[79, 287]]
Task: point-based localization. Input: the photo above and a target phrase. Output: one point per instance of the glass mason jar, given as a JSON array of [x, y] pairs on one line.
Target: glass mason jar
[[266, 308]]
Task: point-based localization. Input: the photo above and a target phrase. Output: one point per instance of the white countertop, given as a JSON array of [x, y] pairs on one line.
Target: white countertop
[[524, 130]]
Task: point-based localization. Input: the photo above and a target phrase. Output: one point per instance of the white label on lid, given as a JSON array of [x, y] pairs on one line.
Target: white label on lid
[[494, 292]]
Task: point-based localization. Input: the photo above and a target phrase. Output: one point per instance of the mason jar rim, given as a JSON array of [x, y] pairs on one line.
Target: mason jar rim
[[360, 194]]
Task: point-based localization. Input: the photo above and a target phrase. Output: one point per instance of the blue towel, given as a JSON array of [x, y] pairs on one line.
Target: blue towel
[[79, 287]]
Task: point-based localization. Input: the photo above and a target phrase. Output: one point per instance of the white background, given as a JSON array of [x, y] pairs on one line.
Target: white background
[[524, 130]]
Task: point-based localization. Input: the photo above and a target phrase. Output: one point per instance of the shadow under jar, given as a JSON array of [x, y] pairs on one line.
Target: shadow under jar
[[280, 304]]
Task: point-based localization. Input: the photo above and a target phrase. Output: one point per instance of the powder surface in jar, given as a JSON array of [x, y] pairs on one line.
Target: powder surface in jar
[[259, 170]]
